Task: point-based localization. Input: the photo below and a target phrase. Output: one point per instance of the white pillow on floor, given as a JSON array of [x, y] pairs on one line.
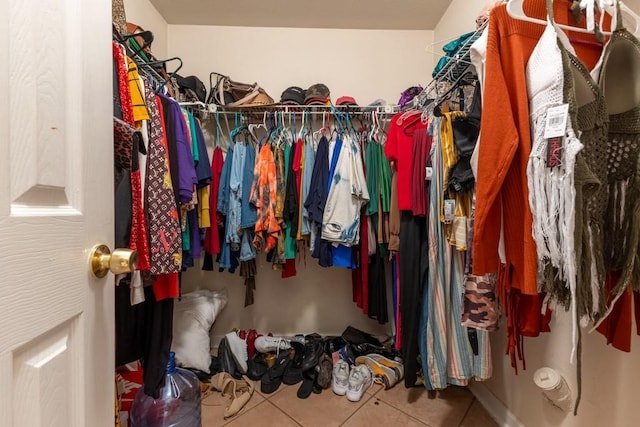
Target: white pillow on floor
[[193, 317]]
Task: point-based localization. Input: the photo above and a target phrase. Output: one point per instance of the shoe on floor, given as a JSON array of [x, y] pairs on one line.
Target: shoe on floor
[[238, 348], [271, 344], [257, 367], [325, 368], [340, 378], [298, 338], [251, 342], [271, 381], [360, 380], [313, 349], [308, 384], [293, 373], [226, 360], [382, 373], [389, 363], [240, 393]]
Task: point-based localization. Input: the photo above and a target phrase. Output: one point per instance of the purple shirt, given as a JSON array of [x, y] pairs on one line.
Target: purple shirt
[[186, 170]]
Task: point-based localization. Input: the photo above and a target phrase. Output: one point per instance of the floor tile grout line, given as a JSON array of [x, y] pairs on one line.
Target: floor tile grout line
[[268, 396], [473, 398], [397, 409], [287, 415], [406, 413], [357, 410], [467, 411], [232, 419]]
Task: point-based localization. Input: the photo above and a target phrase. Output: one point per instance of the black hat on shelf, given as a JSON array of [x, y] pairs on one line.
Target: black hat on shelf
[[293, 95]]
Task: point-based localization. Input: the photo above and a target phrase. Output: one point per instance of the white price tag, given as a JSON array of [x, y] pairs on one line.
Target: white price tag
[[449, 210], [556, 123], [428, 173]]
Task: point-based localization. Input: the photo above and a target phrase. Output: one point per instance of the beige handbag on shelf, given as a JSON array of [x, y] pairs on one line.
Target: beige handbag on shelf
[[230, 93]]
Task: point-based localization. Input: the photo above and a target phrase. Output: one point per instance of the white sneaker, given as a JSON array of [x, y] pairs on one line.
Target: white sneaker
[[360, 380], [238, 348], [268, 344], [340, 378]]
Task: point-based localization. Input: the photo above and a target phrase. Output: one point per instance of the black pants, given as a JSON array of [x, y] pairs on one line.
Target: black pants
[[159, 333], [377, 289], [412, 265], [144, 331], [130, 326]]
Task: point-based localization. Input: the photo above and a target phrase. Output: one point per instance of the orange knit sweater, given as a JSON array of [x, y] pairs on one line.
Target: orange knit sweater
[[506, 143]]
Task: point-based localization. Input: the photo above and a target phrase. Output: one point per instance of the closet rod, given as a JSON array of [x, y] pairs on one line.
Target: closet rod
[[298, 109]]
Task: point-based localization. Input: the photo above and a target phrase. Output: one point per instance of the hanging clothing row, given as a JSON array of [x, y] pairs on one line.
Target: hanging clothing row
[[292, 190], [556, 170], [445, 312], [501, 215], [162, 173]]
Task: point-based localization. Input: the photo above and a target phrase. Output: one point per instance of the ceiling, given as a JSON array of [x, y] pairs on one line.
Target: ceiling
[[348, 14]]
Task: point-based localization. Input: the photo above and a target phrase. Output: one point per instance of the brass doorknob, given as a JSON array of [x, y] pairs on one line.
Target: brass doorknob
[[120, 261]]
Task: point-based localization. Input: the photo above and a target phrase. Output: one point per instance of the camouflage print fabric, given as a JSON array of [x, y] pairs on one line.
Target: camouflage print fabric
[[480, 305]]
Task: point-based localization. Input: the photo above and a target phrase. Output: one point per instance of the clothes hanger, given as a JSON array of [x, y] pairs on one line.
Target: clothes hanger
[[288, 131], [278, 128], [191, 106], [373, 126], [269, 128], [317, 135], [516, 11], [164, 61], [281, 135], [407, 115], [326, 126], [348, 123], [454, 86], [381, 134], [294, 129], [299, 136], [219, 133], [252, 129], [158, 81], [609, 6], [377, 127], [304, 129], [337, 117], [335, 134], [308, 126], [249, 138], [239, 127]]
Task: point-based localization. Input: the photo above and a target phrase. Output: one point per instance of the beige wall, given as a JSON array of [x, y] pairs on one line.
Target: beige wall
[[459, 18], [316, 300], [143, 13], [610, 377], [365, 64]]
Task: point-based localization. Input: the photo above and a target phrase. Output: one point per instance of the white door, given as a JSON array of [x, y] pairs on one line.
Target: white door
[[56, 202]]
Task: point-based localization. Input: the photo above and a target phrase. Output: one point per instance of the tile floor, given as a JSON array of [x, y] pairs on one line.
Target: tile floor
[[455, 407]]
